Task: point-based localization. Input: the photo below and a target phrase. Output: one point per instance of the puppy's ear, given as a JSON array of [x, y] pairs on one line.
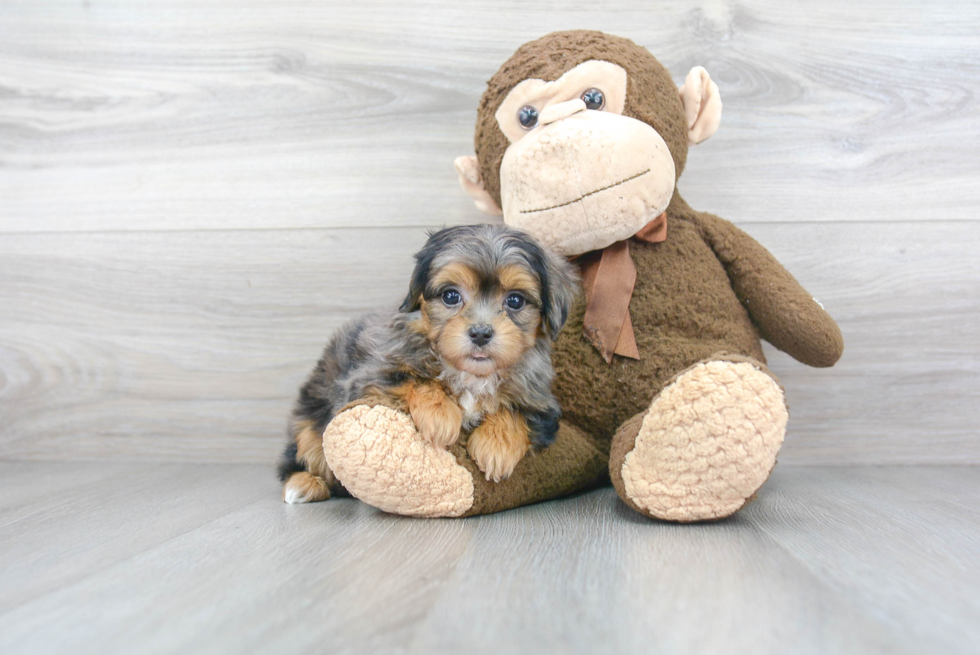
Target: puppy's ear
[[413, 301], [420, 277], [559, 287], [423, 269]]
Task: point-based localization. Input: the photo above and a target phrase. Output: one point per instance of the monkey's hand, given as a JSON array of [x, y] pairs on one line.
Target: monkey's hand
[[787, 316]]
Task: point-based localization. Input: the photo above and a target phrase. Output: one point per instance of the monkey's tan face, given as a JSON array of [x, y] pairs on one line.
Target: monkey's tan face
[[579, 175]]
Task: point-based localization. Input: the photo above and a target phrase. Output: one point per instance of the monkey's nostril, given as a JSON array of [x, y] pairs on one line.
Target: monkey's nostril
[[480, 334]]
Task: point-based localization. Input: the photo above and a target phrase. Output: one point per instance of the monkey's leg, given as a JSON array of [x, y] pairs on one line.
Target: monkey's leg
[[706, 444], [377, 454]]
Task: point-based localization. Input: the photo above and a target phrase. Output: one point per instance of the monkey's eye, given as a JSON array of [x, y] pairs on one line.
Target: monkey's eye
[[515, 301], [527, 117], [451, 297], [594, 99]]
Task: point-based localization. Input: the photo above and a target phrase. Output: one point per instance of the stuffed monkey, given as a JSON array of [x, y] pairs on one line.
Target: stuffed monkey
[[580, 140]]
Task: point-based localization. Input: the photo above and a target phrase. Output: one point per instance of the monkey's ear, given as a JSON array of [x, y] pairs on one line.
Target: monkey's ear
[[702, 105], [469, 178]]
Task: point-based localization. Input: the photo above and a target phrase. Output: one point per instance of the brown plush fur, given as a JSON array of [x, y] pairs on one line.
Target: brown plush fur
[[687, 305]]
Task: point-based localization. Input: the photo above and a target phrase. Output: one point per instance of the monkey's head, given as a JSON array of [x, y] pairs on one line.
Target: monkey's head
[[581, 136]]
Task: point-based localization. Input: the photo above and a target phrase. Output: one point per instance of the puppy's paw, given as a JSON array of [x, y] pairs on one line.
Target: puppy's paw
[[436, 416], [303, 487], [498, 444]]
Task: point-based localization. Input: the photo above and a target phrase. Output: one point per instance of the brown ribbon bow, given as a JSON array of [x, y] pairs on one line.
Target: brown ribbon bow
[[608, 277]]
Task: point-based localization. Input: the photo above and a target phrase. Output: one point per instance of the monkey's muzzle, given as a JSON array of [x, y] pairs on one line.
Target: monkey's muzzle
[[586, 181]]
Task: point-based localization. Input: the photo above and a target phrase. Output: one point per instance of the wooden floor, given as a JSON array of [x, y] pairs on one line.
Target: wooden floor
[[179, 558]]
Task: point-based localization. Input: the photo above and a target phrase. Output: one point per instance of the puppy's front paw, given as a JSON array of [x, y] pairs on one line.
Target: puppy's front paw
[[436, 416], [498, 444]]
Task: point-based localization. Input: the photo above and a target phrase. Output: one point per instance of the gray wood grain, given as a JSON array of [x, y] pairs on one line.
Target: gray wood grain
[[220, 114], [191, 345], [848, 559], [193, 195], [81, 531], [28, 488], [176, 345], [919, 538], [591, 575]]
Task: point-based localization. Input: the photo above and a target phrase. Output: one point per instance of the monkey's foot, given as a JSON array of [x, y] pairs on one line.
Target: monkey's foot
[[706, 444], [379, 456]]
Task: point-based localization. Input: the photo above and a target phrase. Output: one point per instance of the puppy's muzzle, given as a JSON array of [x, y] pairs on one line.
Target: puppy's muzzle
[[480, 335]]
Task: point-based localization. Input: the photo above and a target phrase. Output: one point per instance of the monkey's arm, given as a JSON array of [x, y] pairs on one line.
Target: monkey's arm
[[786, 315]]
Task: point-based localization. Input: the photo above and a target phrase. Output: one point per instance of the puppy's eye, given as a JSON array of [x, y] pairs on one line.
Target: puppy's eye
[[593, 99], [451, 297], [515, 301], [527, 117]]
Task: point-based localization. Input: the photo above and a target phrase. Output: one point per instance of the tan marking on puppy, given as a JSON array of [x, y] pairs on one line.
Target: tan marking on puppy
[[444, 327], [517, 278], [457, 274], [452, 341], [309, 450], [498, 444], [314, 484], [451, 338], [305, 488], [509, 342], [423, 324], [436, 416]]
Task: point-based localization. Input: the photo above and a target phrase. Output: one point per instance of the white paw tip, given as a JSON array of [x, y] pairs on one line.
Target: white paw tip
[[293, 496]]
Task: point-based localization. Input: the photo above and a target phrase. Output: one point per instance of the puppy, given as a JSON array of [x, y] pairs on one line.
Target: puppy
[[469, 350]]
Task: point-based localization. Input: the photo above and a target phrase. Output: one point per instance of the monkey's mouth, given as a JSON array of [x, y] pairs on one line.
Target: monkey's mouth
[[590, 193]]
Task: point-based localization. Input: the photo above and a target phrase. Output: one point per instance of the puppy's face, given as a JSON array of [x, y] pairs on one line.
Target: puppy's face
[[482, 321], [486, 294]]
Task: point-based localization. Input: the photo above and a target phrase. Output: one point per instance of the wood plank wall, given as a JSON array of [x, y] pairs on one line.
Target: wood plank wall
[[194, 194]]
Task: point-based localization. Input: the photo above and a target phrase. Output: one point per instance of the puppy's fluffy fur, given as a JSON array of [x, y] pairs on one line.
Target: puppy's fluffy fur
[[468, 351]]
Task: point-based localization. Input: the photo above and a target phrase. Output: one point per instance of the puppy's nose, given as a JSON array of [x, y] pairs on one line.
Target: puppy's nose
[[480, 334]]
